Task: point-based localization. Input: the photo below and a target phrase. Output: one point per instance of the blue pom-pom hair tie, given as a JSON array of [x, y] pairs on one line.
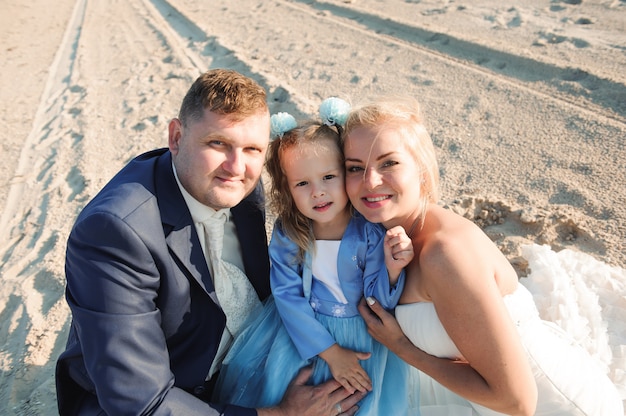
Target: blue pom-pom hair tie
[[281, 123], [334, 112]]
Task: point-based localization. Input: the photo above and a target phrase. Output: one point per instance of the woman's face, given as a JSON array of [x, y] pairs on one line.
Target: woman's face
[[382, 177]]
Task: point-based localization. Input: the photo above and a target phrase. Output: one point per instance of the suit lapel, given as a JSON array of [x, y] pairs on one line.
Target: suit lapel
[[180, 233], [182, 238]]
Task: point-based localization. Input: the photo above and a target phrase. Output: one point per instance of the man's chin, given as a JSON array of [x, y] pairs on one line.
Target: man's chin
[[227, 199]]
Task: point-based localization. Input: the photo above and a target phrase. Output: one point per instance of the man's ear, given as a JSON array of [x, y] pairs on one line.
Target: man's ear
[[175, 130]]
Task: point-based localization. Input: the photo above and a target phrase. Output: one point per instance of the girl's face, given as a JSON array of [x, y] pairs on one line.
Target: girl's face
[[382, 176], [315, 176]]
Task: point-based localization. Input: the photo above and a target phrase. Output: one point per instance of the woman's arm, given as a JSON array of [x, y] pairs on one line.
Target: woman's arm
[[458, 275]]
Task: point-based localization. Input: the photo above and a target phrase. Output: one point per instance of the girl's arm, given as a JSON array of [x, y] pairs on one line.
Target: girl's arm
[[309, 336]]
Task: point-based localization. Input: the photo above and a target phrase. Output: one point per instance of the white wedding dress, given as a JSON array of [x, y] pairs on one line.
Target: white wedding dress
[[580, 371]]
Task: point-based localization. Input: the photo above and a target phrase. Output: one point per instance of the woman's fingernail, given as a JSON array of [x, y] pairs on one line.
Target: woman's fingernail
[[370, 300]]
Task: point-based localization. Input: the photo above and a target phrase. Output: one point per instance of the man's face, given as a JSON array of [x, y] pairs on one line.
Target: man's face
[[219, 161]]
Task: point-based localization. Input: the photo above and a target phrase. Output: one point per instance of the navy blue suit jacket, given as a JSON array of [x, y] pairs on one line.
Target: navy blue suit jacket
[[146, 323]]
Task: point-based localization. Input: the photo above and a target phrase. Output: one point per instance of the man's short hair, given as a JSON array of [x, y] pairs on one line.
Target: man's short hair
[[223, 91]]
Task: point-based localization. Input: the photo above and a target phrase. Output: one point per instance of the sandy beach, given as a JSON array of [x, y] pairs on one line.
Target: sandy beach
[[526, 104]]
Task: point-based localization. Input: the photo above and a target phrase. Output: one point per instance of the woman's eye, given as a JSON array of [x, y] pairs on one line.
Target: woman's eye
[[351, 169], [390, 163]]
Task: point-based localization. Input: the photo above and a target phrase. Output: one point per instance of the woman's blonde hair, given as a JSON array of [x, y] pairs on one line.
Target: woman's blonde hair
[[402, 115], [295, 225]]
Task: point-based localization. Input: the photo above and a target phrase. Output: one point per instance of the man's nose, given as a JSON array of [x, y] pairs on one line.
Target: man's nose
[[235, 163]]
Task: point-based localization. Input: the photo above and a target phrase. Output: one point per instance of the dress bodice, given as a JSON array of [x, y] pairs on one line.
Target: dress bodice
[[563, 389], [420, 323]]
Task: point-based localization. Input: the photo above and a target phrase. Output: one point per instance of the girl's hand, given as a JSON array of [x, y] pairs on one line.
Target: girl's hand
[[346, 369], [398, 249]]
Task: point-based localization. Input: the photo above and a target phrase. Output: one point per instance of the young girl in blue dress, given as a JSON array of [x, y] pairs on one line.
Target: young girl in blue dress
[[324, 258]]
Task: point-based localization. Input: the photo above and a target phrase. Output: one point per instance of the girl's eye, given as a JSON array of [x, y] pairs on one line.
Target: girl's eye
[[327, 177], [303, 183]]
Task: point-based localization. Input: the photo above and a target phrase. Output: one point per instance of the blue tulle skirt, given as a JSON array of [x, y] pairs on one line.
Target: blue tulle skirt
[[263, 361]]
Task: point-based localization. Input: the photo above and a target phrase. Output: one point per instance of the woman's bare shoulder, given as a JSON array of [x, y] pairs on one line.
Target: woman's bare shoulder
[[445, 232]]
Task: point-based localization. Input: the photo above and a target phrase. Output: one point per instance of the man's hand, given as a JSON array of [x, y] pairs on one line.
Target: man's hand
[[326, 399]]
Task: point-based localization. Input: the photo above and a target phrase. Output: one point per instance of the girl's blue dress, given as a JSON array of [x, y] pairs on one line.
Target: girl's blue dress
[[303, 318]]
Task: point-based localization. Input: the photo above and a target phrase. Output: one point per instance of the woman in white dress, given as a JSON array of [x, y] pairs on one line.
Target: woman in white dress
[[464, 322]]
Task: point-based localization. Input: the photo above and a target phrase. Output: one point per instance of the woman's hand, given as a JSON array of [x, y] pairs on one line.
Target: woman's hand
[[381, 325]]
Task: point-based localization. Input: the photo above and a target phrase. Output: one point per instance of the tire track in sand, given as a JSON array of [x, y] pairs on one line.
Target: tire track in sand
[[70, 151], [73, 148], [27, 311], [595, 94], [316, 49]]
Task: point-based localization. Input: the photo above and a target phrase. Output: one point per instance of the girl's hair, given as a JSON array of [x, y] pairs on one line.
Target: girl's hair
[[295, 225], [402, 115]]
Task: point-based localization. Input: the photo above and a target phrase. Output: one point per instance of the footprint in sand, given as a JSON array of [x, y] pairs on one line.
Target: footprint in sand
[[509, 227]]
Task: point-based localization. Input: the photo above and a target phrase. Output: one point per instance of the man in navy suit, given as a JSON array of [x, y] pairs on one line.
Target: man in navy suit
[[147, 332]]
